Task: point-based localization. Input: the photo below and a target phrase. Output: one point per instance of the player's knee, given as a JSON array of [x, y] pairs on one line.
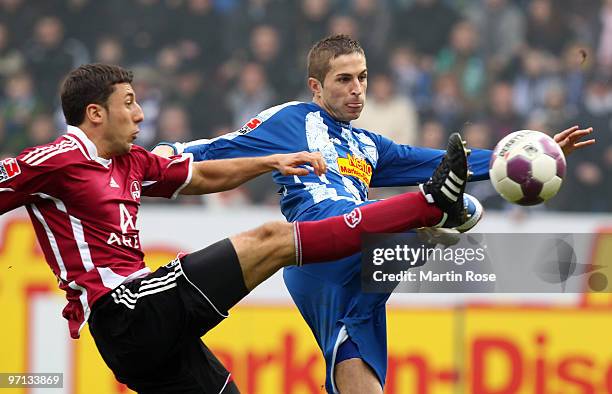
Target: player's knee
[[271, 231], [278, 238]]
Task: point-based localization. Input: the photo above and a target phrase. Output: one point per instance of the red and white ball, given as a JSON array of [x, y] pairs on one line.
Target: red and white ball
[[527, 167]]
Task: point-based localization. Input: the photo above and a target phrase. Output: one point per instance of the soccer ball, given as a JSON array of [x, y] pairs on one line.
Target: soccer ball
[[527, 167]]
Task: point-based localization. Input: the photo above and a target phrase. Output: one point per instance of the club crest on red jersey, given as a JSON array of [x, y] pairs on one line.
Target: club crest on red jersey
[[9, 168], [135, 190], [353, 218]]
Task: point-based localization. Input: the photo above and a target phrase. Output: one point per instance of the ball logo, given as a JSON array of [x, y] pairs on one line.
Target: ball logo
[[530, 150], [135, 190], [353, 218]]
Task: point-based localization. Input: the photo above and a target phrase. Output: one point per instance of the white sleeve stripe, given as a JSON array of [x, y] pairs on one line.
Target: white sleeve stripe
[[82, 245], [83, 298], [86, 154], [6, 189], [51, 154], [77, 232], [34, 158], [189, 173], [52, 242], [42, 149]]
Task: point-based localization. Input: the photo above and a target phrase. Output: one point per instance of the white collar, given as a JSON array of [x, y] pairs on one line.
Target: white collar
[[92, 151]]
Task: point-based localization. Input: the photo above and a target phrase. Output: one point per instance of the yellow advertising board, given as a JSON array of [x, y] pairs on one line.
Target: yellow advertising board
[[269, 349]]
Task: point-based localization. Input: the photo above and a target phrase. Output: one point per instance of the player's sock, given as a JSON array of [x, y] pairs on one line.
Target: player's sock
[[340, 236]]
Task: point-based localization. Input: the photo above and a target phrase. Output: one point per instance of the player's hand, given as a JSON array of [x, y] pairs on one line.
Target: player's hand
[[289, 164], [163, 151], [569, 139]]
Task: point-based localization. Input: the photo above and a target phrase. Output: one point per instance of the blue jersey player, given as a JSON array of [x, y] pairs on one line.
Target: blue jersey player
[[349, 326]]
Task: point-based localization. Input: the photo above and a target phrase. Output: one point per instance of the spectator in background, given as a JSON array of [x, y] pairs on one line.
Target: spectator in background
[[252, 13], [343, 24], [604, 52], [42, 130], [576, 63], [392, 115], [532, 81], [461, 59], [11, 59], [479, 135], [536, 121], [252, 95], [200, 95], [425, 26], [144, 26], [501, 25], [267, 50], [109, 50], [411, 79], [199, 41], [173, 124], [18, 108], [375, 16], [433, 134], [150, 99], [50, 57], [448, 102], [501, 117], [19, 16], [79, 19], [311, 23], [169, 61], [547, 28], [583, 18], [586, 175], [554, 113]]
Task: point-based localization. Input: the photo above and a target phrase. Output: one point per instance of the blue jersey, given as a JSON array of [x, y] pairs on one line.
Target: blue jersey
[[357, 159]]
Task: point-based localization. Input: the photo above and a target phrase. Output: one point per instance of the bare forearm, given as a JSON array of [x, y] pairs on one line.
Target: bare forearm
[[219, 175]]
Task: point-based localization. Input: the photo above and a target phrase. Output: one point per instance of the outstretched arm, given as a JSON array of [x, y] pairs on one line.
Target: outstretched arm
[[402, 165], [213, 176]]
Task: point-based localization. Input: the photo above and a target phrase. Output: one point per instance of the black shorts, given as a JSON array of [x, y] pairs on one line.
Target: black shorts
[[148, 330]]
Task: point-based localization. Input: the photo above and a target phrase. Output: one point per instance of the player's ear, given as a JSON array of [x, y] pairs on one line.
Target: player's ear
[[94, 113], [315, 86]]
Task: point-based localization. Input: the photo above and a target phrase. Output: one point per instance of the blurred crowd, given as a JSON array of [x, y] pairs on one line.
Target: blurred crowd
[[204, 67]]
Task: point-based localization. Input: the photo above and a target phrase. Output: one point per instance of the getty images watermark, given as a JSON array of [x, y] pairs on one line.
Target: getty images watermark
[[435, 261]]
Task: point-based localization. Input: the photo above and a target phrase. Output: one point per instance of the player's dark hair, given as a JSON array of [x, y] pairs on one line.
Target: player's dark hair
[[327, 49], [90, 84]]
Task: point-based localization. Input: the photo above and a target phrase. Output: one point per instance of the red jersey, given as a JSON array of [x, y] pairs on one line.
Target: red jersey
[[84, 210]]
